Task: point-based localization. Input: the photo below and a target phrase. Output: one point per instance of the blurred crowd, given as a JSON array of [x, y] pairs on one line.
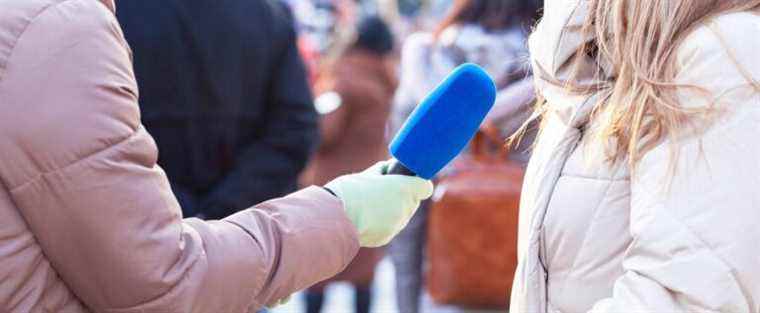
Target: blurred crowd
[[297, 92]]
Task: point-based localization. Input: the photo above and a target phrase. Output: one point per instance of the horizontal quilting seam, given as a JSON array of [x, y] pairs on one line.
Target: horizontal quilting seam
[[93, 155]]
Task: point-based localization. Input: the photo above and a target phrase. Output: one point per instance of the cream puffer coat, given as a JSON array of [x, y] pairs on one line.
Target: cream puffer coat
[[594, 239]]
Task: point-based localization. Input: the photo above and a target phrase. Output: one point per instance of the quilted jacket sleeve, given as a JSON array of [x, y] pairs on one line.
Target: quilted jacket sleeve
[[82, 171], [695, 224]]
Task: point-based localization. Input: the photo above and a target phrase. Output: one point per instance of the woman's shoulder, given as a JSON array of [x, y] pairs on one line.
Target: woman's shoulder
[[731, 36], [720, 56], [739, 23]]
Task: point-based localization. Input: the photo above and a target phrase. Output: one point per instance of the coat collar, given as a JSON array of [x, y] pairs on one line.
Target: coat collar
[[553, 43]]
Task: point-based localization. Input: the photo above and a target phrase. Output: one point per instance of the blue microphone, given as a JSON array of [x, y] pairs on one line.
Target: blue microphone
[[442, 125]]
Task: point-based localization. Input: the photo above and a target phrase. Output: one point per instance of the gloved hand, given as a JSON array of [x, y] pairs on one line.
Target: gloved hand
[[380, 205]]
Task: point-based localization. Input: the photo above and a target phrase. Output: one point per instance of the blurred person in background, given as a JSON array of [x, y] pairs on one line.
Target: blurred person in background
[[409, 16], [490, 33], [90, 222], [642, 192], [224, 92], [324, 28], [356, 92]]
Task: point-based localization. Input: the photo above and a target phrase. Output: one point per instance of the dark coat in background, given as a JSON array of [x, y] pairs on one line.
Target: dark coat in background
[[224, 92]]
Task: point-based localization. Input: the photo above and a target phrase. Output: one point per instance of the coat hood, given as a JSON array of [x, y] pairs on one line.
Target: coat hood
[[552, 44]]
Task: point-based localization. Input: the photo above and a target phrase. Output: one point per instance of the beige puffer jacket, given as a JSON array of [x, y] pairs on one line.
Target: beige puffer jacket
[[88, 221], [592, 239]]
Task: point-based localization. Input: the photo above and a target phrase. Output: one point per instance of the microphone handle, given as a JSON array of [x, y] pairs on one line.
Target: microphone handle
[[399, 169]]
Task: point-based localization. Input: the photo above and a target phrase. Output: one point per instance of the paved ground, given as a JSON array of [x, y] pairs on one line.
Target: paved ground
[[339, 297]]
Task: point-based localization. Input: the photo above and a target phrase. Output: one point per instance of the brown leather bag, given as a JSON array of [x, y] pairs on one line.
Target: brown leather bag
[[472, 245]]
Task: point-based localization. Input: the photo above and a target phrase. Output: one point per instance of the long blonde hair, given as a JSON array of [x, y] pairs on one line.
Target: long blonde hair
[[639, 40]]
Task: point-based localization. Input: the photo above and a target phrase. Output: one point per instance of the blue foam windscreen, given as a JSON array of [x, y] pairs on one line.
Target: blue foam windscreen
[[442, 125]]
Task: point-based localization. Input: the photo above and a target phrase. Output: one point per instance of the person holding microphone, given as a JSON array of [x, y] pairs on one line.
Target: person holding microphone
[[89, 222]]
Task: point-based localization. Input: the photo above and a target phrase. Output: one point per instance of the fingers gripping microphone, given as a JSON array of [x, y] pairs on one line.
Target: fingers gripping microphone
[[442, 125]]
